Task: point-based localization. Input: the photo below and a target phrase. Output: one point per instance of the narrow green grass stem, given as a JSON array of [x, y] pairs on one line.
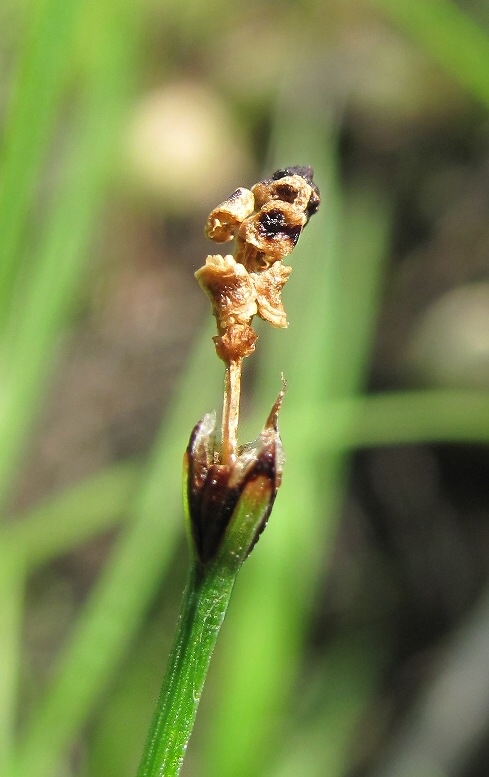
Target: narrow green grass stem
[[96, 505], [12, 581], [204, 606]]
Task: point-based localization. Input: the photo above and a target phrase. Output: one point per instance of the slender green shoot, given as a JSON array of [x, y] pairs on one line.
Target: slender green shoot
[[229, 489], [204, 606]]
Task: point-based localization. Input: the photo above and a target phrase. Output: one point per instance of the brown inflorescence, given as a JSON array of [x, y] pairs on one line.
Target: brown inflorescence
[[267, 222], [231, 488]]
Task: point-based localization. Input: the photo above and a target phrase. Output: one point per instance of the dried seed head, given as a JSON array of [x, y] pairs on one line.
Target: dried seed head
[[233, 297], [267, 222], [231, 490]]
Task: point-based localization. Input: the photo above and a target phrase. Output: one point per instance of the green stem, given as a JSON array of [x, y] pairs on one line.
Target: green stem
[[204, 606], [12, 583]]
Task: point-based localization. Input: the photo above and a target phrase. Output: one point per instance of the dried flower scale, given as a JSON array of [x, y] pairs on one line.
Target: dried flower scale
[[266, 222]]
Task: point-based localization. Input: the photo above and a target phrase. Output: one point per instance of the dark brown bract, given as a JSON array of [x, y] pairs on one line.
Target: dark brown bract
[[215, 490]]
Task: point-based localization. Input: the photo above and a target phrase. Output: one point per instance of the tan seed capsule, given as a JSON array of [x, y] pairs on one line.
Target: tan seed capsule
[[224, 221], [230, 288], [291, 188]]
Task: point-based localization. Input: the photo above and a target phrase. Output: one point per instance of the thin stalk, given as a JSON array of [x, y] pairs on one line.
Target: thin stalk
[[230, 412], [204, 606]]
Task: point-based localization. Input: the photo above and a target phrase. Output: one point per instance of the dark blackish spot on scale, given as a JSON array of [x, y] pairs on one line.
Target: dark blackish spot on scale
[[265, 464], [314, 201], [273, 223], [305, 172], [211, 510], [286, 193], [294, 234], [235, 195]]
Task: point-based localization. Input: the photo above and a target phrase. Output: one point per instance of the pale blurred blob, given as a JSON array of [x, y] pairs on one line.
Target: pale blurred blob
[[183, 148], [450, 344]]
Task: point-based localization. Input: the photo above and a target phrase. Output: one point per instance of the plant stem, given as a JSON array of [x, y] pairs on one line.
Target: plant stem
[[230, 412], [204, 606], [12, 583]]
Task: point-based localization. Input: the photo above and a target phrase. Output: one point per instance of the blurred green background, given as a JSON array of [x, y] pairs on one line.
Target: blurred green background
[[357, 640]]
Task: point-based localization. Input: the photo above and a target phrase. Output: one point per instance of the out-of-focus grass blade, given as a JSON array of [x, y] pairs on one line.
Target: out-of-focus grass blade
[[450, 36], [117, 604], [421, 416], [334, 697], [400, 418], [265, 629], [11, 602], [36, 311], [72, 517], [36, 94], [58, 261], [122, 720]]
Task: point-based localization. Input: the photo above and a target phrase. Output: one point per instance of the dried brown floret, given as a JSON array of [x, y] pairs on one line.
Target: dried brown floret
[[307, 173], [291, 188], [230, 288], [272, 232], [224, 221], [267, 222], [269, 285]]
